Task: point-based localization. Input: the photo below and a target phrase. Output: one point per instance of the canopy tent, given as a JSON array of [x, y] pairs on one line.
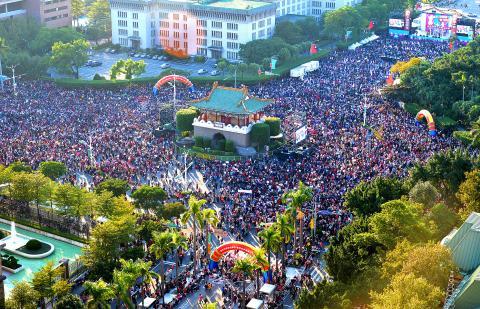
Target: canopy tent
[[268, 289], [255, 303], [147, 302]]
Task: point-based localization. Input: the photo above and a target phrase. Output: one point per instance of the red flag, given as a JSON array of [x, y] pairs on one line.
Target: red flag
[[451, 46], [371, 25], [313, 49], [259, 71], [389, 80]]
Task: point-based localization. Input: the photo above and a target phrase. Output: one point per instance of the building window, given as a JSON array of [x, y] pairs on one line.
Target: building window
[[232, 36], [261, 34], [233, 45], [135, 15], [217, 43], [216, 24], [122, 23], [201, 42], [123, 41], [164, 24], [201, 51], [232, 55], [176, 16], [232, 26], [164, 33], [185, 27], [185, 18], [121, 14], [176, 26], [176, 35], [135, 33], [185, 45], [176, 44], [269, 22], [217, 34], [162, 15], [135, 24], [185, 35], [201, 23], [254, 26], [261, 24], [254, 36], [123, 32], [201, 32]]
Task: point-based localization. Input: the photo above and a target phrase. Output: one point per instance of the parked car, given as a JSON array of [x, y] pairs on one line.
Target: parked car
[[202, 71], [155, 57], [112, 51], [214, 73], [136, 55], [143, 55], [165, 65], [149, 56], [93, 63], [131, 54]]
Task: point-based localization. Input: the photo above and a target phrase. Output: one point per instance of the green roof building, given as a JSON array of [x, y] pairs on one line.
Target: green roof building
[[229, 113], [465, 246]]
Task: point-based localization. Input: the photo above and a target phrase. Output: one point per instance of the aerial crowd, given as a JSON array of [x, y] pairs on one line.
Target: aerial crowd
[[45, 122]]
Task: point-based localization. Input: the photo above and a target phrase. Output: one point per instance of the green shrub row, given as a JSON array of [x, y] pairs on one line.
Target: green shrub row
[[466, 138], [45, 229], [223, 145]]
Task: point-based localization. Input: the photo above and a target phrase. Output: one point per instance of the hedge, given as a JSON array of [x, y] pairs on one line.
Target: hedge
[[260, 134], [221, 145], [184, 118], [274, 124], [412, 108], [229, 146], [199, 141], [45, 229], [207, 143]]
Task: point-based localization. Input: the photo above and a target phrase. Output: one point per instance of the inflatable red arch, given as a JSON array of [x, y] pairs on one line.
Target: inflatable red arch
[[220, 251], [169, 78]]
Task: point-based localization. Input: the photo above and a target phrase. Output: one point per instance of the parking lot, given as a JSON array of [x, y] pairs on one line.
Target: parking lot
[[152, 68]]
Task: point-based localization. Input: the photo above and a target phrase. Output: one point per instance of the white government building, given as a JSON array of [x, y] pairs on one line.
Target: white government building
[[212, 28]]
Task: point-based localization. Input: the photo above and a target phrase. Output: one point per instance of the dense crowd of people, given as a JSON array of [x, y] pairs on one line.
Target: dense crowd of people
[[45, 122]]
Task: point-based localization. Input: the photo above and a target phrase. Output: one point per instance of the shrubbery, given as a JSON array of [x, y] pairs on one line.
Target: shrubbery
[[184, 118], [260, 134], [274, 124], [33, 245], [199, 141], [229, 146], [10, 261]]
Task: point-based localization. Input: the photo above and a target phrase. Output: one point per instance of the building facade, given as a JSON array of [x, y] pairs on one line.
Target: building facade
[[213, 29], [51, 13]]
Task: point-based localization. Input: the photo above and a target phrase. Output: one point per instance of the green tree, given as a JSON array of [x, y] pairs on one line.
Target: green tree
[[242, 68], [399, 220], [147, 227], [325, 295], [259, 261], [347, 18], [103, 250], [184, 118], [295, 200], [353, 251], [365, 199], [52, 169], [100, 293], [194, 214], [430, 261], [118, 187], [44, 280], [469, 192], [148, 197], [179, 242], [46, 37], [122, 281], [271, 238], [31, 187], [260, 134], [78, 10], [69, 57], [17, 167], [284, 54], [172, 210], [70, 301], [257, 50], [445, 170], [162, 244], [285, 227], [424, 193], [442, 219], [70, 200], [128, 67], [408, 291], [245, 267], [147, 275], [222, 65], [289, 32], [98, 14], [309, 28], [22, 296], [208, 218]]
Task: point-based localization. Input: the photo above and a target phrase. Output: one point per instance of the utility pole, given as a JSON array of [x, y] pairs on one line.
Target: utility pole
[[365, 110], [174, 95], [12, 67], [235, 74], [2, 279]]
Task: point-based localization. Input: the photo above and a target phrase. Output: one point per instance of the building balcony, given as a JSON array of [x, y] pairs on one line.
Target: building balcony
[[4, 15]]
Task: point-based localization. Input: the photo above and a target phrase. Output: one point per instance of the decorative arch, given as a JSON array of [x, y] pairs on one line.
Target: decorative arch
[[428, 117], [174, 78], [220, 251]]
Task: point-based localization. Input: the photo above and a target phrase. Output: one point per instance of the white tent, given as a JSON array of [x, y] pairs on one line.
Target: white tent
[[147, 302], [268, 289], [255, 303]]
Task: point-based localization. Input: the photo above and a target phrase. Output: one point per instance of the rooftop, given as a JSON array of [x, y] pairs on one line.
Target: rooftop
[[231, 101]]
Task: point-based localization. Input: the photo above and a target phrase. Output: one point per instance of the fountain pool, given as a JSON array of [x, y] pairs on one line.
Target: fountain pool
[[62, 250]]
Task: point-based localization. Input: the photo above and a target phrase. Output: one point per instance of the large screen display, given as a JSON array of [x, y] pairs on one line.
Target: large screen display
[[437, 22], [465, 30], [396, 23]]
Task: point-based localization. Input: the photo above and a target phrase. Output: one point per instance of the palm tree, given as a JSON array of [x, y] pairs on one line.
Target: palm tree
[[179, 242], [271, 238], [3, 49], [122, 281], [285, 228], [162, 244], [245, 267], [259, 261], [100, 293], [295, 199], [208, 218], [144, 269], [195, 207]]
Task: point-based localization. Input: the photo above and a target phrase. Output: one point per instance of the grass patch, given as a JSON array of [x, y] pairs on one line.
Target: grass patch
[[412, 108], [466, 138], [45, 229], [446, 122]]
